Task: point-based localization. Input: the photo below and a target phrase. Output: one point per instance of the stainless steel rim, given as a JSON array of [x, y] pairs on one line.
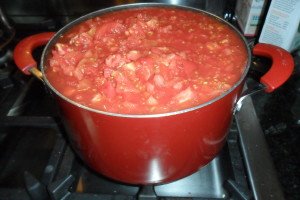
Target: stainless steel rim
[[130, 6]]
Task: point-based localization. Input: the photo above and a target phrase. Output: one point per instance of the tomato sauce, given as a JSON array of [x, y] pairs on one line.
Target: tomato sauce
[[146, 61]]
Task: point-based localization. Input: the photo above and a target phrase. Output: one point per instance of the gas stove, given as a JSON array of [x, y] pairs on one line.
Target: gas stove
[[37, 162]]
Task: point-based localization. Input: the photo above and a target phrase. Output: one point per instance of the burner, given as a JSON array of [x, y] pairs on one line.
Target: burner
[[6, 69], [70, 178]]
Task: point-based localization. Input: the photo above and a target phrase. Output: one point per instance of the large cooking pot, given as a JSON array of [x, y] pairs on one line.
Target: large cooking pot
[[156, 148]]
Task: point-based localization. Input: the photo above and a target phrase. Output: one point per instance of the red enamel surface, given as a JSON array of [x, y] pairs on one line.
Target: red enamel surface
[[150, 150]]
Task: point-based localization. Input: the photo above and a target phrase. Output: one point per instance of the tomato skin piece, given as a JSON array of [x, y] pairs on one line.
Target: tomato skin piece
[[73, 57], [159, 81], [126, 87], [68, 91], [152, 101], [150, 88], [120, 78], [115, 60], [133, 55], [145, 69], [108, 28], [129, 107], [185, 95], [61, 48], [189, 67], [109, 90], [82, 41], [107, 72], [132, 97], [178, 85]]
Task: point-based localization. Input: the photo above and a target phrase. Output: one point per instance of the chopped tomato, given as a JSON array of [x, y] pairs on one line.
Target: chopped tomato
[[114, 60], [185, 95], [152, 101], [146, 61], [133, 55], [189, 67], [159, 81], [108, 28], [145, 68], [109, 90]]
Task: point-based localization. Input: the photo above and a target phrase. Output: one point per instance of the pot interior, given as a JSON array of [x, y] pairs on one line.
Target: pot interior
[[62, 35]]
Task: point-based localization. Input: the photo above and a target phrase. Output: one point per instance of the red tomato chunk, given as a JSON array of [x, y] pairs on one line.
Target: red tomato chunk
[[147, 61]]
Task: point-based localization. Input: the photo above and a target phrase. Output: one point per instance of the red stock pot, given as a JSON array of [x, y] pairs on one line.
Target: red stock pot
[[154, 148]]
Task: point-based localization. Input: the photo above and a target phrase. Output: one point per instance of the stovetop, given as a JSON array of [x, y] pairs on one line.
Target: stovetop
[[36, 161]]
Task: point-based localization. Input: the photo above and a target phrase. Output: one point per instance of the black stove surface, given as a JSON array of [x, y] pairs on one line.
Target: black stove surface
[[279, 114]]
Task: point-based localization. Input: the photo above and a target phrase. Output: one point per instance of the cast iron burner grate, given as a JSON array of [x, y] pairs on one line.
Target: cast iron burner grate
[[65, 177]]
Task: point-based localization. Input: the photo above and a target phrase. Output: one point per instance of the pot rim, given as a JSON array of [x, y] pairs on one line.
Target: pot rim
[[77, 21]]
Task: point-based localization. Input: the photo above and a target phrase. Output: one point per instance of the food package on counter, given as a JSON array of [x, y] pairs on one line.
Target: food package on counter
[[248, 14], [282, 25]]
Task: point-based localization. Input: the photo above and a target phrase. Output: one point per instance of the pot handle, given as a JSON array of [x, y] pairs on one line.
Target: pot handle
[[281, 69], [23, 53], [282, 65]]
